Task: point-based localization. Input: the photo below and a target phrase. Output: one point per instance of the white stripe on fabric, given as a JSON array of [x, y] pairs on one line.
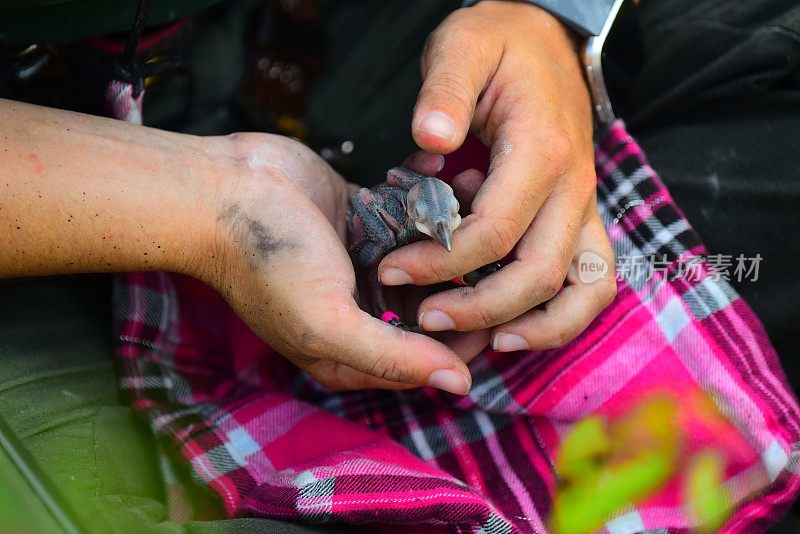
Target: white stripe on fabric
[[630, 523], [775, 459], [672, 319], [515, 485], [416, 434], [240, 445]]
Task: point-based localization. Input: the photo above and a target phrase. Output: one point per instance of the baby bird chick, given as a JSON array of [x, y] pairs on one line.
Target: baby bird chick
[[399, 211]]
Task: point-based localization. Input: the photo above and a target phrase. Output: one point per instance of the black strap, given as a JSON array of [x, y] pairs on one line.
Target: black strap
[[126, 67]]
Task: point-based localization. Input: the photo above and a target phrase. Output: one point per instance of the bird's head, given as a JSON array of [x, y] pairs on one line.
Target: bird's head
[[433, 208]]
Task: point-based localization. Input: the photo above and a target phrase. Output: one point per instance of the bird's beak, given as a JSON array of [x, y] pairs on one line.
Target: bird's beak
[[444, 235]]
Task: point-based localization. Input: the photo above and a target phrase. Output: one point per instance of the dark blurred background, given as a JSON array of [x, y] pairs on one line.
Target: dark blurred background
[[710, 88]]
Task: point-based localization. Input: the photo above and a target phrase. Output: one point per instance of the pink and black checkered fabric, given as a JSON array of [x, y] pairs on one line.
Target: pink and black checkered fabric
[[269, 441]]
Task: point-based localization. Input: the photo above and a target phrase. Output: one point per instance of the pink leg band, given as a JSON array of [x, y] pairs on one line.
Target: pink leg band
[[389, 316]]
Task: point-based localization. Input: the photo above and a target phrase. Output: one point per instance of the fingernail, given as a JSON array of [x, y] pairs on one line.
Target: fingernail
[[435, 321], [395, 277], [450, 381], [438, 124], [509, 343]]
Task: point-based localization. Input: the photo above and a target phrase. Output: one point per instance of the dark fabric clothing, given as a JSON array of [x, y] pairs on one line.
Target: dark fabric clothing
[[367, 92], [58, 21], [198, 96], [699, 54], [716, 106], [713, 98], [665, 334], [710, 89]]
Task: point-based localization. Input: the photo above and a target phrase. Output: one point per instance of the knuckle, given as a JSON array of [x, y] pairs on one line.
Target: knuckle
[[487, 317], [484, 310], [309, 340], [455, 31], [588, 179], [314, 336], [559, 339], [244, 138], [551, 278], [439, 272], [560, 151], [437, 43], [562, 144], [582, 187], [606, 292], [431, 50], [450, 87], [499, 239], [391, 369]]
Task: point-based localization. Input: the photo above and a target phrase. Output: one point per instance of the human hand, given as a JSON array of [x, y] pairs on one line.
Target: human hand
[[510, 72], [283, 267], [404, 301]]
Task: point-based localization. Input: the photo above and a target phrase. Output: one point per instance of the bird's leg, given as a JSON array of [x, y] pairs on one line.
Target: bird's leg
[[376, 233], [380, 308]]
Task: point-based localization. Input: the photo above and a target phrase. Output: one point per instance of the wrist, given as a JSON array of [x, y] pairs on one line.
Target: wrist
[[240, 179], [214, 168]]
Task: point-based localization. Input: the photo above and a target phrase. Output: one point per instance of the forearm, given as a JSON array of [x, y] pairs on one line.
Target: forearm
[[87, 194]]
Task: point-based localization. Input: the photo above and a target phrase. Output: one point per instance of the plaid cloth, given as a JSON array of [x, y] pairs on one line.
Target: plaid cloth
[[269, 441]]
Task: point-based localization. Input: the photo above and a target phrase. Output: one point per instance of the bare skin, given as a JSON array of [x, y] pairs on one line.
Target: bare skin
[[404, 208], [86, 194], [83, 194], [510, 73]]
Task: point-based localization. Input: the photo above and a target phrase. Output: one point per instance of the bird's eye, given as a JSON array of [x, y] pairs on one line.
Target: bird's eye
[[419, 211], [416, 209]]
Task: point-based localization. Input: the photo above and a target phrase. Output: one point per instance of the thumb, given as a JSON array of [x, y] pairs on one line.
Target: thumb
[[452, 80], [383, 351]]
